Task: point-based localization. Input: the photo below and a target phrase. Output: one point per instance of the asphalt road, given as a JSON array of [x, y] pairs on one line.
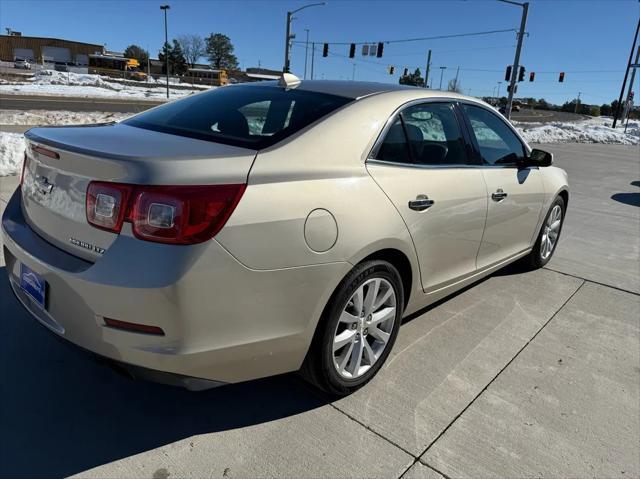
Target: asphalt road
[[524, 374], [545, 116], [29, 102]]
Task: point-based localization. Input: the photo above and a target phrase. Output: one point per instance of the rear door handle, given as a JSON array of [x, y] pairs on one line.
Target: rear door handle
[[499, 195], [421, 203]]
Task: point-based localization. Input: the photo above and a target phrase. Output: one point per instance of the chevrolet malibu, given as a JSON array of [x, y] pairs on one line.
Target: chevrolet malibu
[[258, 229]]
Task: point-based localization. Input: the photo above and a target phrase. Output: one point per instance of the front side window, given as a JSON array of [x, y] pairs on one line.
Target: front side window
[[246, 115], [498, 144], [434, 135]]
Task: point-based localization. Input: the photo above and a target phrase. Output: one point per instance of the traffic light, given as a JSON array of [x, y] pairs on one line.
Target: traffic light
[[521, 74], [379, 52], [391, 69], [352, 50], [325, 50], [561, 77], [406, 72], [532, 76], [507, 74]]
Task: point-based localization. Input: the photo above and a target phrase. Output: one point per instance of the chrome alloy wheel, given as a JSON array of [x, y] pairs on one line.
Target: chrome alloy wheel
[[364, 328], [550, 232]]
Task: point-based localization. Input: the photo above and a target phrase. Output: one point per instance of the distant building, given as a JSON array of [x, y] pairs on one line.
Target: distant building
[[40, 49]]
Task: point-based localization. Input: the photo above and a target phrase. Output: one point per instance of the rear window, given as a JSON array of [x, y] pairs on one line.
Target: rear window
[[247, 116]]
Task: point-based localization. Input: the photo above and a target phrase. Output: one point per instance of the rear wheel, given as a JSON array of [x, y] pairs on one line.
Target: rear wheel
[[549, 235], [358, 329]]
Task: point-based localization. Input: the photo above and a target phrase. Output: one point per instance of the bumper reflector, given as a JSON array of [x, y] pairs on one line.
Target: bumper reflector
[[133, 327]]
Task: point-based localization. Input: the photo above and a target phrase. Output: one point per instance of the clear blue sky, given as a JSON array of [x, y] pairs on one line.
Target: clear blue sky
[[570, 36]]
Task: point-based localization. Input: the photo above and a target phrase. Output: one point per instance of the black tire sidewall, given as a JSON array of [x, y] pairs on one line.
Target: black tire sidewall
[[335, 383]]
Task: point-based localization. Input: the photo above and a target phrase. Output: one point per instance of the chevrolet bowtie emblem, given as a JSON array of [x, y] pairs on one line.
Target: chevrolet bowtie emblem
[[43, 185]]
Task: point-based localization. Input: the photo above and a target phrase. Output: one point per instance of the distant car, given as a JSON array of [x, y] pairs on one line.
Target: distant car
[[22, 64], [61, 67], [263, 228]]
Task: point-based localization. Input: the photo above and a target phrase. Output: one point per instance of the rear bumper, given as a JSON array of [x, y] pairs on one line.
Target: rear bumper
[[222, 321]]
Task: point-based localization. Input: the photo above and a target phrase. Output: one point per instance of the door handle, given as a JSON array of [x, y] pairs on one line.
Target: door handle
[[421, 203], [499, 195]]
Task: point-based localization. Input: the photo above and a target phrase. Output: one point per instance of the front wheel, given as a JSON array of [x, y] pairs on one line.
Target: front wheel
[[358, 329], [549, 235]]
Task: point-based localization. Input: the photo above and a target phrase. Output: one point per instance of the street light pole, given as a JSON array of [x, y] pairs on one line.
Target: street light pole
[[498, 95], [624, 82], [516, 60], [426, 74], [289, 36], [306, 53], [313, 57], [166, 44], [442, 69]]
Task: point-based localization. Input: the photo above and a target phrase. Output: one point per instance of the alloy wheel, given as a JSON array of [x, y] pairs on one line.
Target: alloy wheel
[[364, 328], [551, 232]]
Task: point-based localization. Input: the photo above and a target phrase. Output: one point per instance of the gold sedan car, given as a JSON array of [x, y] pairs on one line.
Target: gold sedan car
[[258, 229]]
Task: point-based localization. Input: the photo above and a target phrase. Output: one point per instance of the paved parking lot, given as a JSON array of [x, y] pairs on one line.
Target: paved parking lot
[[525, 374]]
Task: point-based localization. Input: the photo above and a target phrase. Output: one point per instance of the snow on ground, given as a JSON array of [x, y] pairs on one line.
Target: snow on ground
[[594, 130], [51, 82], [54, 117], [11, 153]]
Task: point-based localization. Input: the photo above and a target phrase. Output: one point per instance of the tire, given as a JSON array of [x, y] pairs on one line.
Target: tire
[[322, 366], [541, 254]]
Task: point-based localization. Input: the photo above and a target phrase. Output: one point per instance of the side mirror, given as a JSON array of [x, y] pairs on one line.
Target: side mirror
[[539, 158]]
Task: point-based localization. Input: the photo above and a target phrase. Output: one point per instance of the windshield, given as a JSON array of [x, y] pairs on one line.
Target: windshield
[[248, 116]]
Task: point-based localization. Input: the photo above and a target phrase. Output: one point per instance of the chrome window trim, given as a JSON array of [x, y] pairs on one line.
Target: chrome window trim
[[374, 161]]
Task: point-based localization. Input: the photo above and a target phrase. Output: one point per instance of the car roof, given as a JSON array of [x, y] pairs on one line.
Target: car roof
[[361, 89]]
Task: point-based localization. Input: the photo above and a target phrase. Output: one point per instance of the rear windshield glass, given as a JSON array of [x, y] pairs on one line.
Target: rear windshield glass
[[246, 115]]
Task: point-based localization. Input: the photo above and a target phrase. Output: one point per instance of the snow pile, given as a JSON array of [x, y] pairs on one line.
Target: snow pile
[[11, 153], [55, 117], [594, 130], [54, 83], [53, 77]]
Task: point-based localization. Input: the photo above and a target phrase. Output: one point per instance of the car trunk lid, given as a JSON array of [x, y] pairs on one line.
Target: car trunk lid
[[64, 160]]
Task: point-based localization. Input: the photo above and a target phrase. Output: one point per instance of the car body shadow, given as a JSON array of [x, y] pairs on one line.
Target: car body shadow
[[632, 199], [62, 413]]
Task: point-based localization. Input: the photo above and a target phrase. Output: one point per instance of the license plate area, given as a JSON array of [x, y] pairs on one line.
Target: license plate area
[[33, 285]]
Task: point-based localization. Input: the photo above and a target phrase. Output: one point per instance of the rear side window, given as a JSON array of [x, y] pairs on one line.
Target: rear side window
[[394, 148], [434, 135], [427, 134], [248, 116], [498, 144]]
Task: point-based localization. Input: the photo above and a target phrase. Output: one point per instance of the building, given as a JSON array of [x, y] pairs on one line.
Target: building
[[40, 50]]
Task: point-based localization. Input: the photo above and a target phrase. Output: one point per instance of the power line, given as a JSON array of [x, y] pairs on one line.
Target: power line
[[420, 39]]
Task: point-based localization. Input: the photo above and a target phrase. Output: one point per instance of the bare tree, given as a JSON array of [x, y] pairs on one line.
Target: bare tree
[[193, 47]]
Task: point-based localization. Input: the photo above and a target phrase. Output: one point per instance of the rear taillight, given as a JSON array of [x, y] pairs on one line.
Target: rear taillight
[[107, 205], [164, 214]]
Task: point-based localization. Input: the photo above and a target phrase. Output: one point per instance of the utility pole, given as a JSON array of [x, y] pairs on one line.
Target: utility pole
[[353, 75], [624, 82], [290, 36], [627, 103], [166, 43], [306, 53], [577, 103], [426, 75], [516, 61], [442, 69], [313, 57], [455, 82]]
